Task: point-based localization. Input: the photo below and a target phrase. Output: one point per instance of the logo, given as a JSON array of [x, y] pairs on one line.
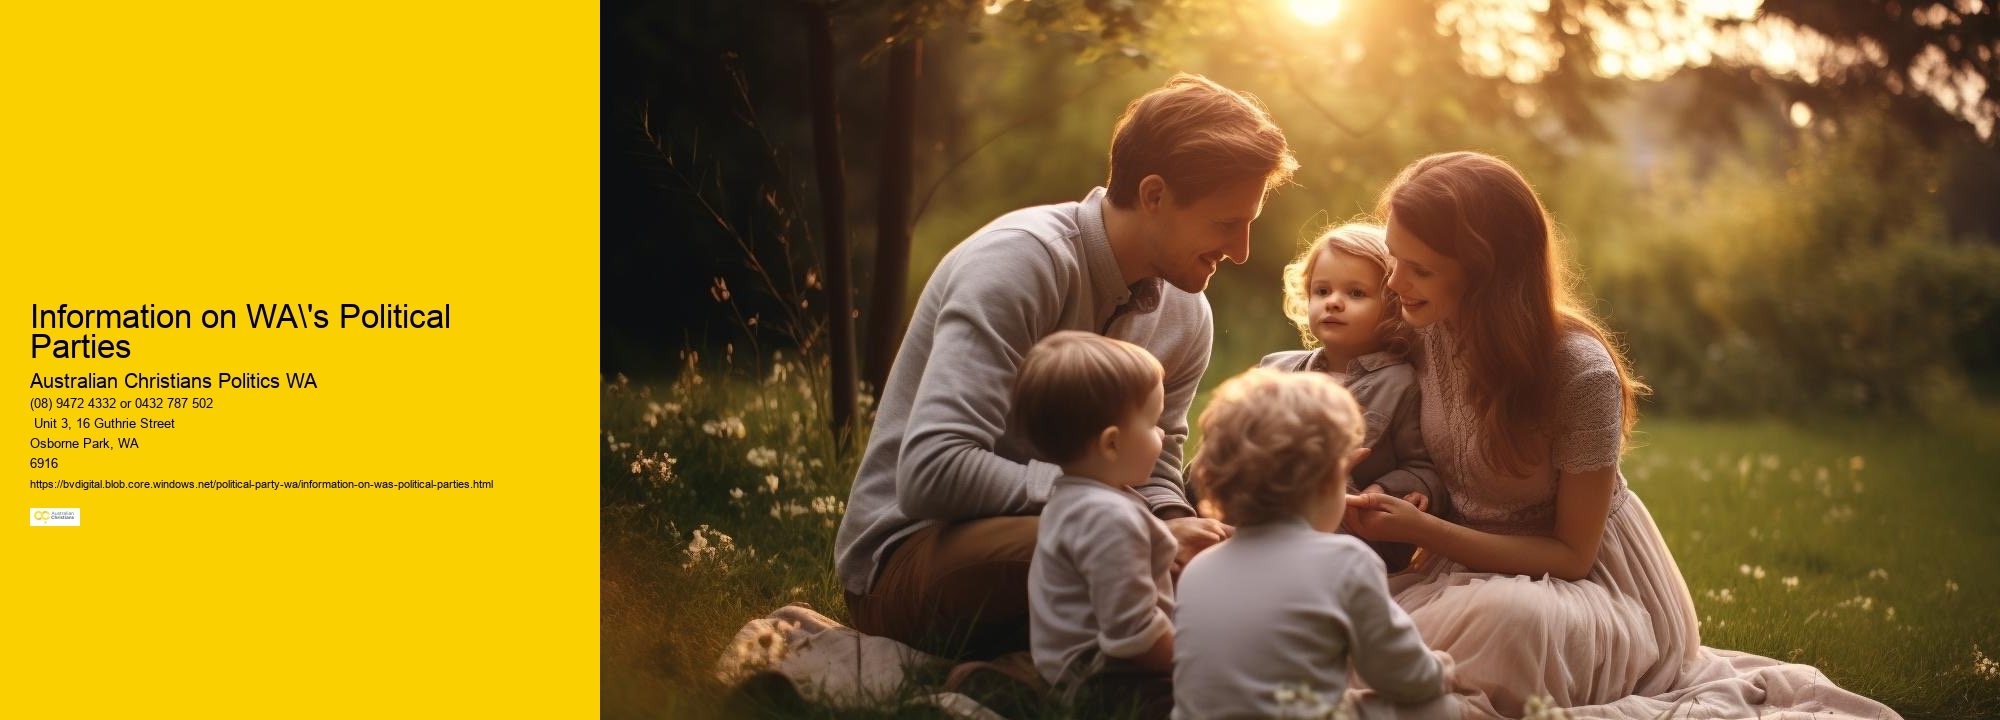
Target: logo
[[54, 517]]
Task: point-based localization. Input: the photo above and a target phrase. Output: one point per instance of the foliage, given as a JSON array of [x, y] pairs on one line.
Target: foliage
[[720, 492], [1799, 287]]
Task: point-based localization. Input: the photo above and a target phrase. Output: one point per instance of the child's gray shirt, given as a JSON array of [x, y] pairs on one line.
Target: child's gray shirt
[[1283, 605], [1101, 582], [1391, 402]]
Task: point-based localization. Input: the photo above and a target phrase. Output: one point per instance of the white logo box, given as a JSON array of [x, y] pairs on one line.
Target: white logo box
[[54, 517]]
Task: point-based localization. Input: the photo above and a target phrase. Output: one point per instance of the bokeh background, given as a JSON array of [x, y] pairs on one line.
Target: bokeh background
[[1788, 210]]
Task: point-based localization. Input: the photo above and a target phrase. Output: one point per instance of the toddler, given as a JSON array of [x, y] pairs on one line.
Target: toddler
[[1336, 293], [1272, 620], [1100, 595]]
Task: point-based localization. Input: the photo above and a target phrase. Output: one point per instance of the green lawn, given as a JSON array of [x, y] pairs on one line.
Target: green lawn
[[1859, 547], [1869, 547]]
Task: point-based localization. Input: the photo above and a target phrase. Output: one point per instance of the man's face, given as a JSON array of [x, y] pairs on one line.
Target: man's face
[[1190, 241]]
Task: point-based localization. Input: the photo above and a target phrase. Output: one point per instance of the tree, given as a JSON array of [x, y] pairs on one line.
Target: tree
[[833, 207], [892, 218]]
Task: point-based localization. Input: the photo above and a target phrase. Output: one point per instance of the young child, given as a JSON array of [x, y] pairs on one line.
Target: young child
[[1100, 594], [1336, 293], [1271, 619]]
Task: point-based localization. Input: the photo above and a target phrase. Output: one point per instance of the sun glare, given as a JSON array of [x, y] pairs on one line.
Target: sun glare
[[1316, 12]]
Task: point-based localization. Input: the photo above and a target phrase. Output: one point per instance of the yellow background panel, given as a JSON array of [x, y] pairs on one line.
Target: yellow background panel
[[368, 153]]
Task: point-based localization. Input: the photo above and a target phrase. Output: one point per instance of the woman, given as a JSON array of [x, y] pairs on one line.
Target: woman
[[1555, 580]]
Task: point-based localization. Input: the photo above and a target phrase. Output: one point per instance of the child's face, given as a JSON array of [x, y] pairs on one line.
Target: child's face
[[1139, 440], [1344, 301]]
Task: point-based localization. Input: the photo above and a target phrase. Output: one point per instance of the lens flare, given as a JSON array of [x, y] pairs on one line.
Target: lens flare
[[1316, 12]]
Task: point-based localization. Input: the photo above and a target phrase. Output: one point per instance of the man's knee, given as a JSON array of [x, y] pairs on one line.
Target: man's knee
[[994, 540], [981, 567]]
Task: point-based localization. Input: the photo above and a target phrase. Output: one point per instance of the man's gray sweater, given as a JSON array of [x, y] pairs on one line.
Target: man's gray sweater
[[941, 449]]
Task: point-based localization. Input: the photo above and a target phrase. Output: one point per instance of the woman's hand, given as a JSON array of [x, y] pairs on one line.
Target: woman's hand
[[1197, 534], [1377, 516]]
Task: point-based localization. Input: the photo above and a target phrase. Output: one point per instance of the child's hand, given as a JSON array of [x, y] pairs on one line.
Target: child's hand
[[1196, 534], [1375, 488], [1377, 516], [1417, 498]]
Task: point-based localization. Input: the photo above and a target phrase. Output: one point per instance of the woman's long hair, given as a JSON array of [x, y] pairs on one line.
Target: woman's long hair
[[1517, 301]]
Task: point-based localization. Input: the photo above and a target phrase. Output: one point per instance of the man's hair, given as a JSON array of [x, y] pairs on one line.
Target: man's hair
[[1270, 440], [1075, 384], [1198, 136]]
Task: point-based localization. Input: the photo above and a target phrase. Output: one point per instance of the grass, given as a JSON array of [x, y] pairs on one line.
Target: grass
[[1858, 546], [1868, 544]]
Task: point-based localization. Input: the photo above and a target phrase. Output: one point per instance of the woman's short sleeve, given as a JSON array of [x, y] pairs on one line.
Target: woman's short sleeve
[[1591, 421]]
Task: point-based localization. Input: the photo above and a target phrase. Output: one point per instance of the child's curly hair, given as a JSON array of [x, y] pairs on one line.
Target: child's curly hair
[[1367, 241], [1270, 441]]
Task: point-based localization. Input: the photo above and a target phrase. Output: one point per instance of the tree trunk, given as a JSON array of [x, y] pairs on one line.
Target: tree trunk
[[833, 209], [892, 216]]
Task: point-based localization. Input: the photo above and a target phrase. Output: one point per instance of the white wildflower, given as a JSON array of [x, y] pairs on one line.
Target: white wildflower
[[1878, 574], [1768, 461], [1757, 572], [1744, 568], [729, 427], [1984, 666], [1856, 463], [710, 547], [698, 549], [658, 469], [1302, 702], [762, 457], [770, 484], [1791, 582], [1542, 707], [1722, 596], [736, 493]]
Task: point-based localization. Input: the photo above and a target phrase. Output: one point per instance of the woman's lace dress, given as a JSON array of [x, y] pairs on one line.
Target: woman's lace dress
[[1623, 642]]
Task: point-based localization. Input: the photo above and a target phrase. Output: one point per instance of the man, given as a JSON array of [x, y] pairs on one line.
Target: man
[[941, 520]]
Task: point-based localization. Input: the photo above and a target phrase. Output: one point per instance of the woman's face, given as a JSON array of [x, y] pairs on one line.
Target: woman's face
[[1430, 283]]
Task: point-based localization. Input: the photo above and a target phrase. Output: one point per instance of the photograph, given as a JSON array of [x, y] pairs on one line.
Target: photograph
[[1298, 359]]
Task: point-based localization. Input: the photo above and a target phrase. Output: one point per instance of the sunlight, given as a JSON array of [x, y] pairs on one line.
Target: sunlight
[[1316, 12], [1801, 114]]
